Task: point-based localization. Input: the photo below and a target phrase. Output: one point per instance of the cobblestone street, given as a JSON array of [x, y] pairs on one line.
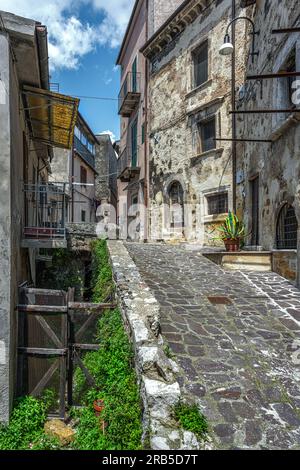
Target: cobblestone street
[[235, 336]]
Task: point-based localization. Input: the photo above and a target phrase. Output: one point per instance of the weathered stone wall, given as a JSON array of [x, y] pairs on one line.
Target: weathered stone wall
[[176, 108], [284, 262], [156, 372], [5, 232], [106, 167], [159, 12], [278, 163]]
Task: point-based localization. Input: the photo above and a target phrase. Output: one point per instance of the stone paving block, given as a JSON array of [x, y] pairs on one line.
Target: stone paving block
[[236, 361]]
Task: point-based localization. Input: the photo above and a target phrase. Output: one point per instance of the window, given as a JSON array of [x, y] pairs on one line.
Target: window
[[134, 76], [287, 227], [143, 133], [77, 132], [200, 60], [83, 176], [208, 135], [176, 193], [83, 216], [290, 66], [217, 204], [134, 147]]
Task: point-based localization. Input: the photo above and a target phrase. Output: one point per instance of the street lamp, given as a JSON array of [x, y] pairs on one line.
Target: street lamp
[[227, 47]]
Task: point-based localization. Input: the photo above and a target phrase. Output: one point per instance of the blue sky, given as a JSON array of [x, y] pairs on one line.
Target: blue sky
[[84, 38], [96, 76]]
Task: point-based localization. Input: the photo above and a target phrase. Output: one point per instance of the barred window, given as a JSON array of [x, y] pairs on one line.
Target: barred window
[[217, 204], [287, 227]]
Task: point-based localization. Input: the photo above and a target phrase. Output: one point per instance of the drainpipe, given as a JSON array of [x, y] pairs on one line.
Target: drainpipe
[[234, 133], [146, 159]]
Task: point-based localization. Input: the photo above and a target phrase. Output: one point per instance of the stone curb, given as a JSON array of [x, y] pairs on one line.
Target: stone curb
[[160, 390]]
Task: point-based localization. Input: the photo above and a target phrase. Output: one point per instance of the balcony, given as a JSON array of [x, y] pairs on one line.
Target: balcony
[[130, 94], [127, 167], [45, 215], [84, 152]]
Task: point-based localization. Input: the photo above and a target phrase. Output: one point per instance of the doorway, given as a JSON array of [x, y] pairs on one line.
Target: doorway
[[254, 187]]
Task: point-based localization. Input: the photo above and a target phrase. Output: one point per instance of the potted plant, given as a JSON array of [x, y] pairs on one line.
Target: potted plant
[[98, 407], [232, 231]]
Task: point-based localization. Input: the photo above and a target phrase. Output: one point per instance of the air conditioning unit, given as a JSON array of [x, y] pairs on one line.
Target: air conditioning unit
[[247, 3]]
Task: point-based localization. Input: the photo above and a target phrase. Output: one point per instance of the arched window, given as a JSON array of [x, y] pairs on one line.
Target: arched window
[[176, 193], [176, 207], [287, 227]]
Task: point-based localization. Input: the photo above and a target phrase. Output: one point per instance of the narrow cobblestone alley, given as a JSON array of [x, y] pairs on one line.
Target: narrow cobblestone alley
[[235, 335]]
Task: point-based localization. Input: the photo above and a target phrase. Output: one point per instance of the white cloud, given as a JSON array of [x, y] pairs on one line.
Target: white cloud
[[69, 37], [110, 133]]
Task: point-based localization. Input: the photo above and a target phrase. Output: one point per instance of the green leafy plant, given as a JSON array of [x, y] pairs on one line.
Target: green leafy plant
[[190, 419], [231, 229], [113, 372], [25, 430]]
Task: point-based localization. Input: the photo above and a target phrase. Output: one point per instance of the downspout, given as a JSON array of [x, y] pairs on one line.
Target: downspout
[[146, 159], [234, 133]]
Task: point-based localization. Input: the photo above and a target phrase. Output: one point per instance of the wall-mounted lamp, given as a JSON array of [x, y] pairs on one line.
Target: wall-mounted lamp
[[227, 47]]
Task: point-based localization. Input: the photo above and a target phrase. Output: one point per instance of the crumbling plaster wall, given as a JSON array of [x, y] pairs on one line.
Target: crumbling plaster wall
[[174, 153], [277, 163]]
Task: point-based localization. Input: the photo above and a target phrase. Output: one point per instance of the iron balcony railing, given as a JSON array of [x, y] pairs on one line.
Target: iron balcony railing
[[130, 93], [84, 152], [45, 211]]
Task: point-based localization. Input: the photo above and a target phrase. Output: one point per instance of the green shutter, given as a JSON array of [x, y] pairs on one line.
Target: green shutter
[[134, 144], [143, 133], [134, 76]]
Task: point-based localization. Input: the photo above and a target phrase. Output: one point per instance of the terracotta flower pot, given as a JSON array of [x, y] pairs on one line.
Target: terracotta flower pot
[[232, 245], [98, 407]]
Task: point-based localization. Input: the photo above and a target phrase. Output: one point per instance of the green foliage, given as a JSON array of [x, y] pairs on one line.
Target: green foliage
[[191, 419], [113, 372], [67, 270], [232, 228], [115, 379], [25, 430], [101, 272]]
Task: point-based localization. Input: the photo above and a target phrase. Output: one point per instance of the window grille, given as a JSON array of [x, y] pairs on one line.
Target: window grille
[[217, 204], [287, 227]]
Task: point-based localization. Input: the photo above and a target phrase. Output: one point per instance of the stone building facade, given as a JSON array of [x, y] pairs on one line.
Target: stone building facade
[[133, 163], [189, 101], [268, 172], [106, 166]]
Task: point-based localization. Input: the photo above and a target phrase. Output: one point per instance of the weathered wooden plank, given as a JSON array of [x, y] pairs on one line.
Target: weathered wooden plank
[[54, 309], [49, 331], [70, 298], [33, 290], [87, 347], [43, 351], [87, 374], [90, 306], [45, 379]]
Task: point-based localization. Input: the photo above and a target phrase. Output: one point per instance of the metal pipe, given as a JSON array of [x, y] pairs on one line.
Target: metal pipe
[[245, 140], [266, 111], [286, 30], [234, 133], [273, 75]]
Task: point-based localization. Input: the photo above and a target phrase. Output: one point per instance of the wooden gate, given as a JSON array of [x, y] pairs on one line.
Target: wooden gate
[[54, 332]]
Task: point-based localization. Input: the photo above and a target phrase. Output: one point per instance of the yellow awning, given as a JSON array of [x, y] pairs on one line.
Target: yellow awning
[[51, 116]]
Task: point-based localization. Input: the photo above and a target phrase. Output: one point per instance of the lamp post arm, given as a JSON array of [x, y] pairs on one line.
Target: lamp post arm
[[241, 18]]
